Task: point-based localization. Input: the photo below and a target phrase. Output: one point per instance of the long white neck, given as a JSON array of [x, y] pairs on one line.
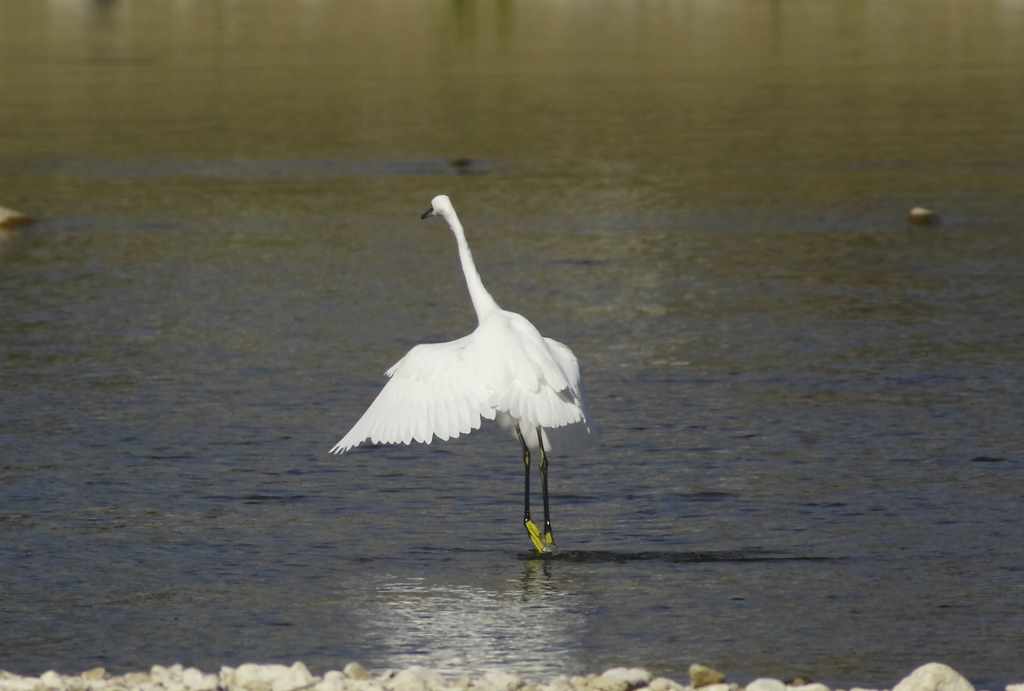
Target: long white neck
[[483, 303]]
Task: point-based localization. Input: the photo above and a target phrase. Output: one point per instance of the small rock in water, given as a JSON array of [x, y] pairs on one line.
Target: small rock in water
[[921, 216], [10, 218], [94, 674], [701, 676], [934, 676]]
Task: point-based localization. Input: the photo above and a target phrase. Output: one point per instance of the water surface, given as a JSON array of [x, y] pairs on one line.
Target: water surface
[[810, 410]]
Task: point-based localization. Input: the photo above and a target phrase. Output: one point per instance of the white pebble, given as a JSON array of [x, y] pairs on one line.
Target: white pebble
[[622, 679], [663, 684], [332, 681], [131, 680], [192, 678], [560, 683], [354, 670], [295, 677], [195, 680], [255, 677], [934, 676], [766, 684], [582, 683], [407, 680], [53, 680], [424, 679], [16, 683], [499, 681]]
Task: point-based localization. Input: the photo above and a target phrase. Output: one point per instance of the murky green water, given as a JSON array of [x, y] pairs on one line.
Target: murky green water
[[811, 459]]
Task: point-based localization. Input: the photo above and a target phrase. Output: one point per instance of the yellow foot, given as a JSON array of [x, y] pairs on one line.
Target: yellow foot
[[547, 544]]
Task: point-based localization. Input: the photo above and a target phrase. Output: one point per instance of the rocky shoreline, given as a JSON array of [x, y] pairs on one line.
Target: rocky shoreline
[[254, 677]]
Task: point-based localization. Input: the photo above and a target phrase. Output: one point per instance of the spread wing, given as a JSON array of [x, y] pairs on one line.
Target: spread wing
[[432, 391], [504, 369]]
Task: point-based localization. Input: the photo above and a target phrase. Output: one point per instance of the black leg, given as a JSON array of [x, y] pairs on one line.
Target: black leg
[[549, 536], [531, 528], [526, 490]]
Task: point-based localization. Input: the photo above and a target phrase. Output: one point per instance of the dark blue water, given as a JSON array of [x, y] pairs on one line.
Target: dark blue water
[[797, 475], [812, 440]]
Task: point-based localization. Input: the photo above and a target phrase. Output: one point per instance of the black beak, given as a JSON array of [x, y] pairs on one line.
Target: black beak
[[429, 212]]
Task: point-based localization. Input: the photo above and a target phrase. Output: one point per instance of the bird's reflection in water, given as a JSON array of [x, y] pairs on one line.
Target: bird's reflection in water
[[530, 628], [537, 578]]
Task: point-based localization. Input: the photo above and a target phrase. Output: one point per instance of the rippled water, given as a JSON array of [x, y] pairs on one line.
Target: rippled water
[[811, 457]]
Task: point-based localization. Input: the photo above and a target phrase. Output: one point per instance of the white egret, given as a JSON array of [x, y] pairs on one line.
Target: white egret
[[505, 371]]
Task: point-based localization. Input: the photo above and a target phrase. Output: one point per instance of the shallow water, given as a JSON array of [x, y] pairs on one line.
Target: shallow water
[[811, 451]]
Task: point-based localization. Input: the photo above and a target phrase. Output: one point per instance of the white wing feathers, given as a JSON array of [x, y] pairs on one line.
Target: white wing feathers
[[504, 368], [431, 393]]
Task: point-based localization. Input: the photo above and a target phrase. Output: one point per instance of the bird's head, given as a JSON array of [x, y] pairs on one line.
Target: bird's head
[[441, 206]]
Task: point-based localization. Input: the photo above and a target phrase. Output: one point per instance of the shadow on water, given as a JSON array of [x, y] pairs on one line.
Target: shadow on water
[[667, 557]]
